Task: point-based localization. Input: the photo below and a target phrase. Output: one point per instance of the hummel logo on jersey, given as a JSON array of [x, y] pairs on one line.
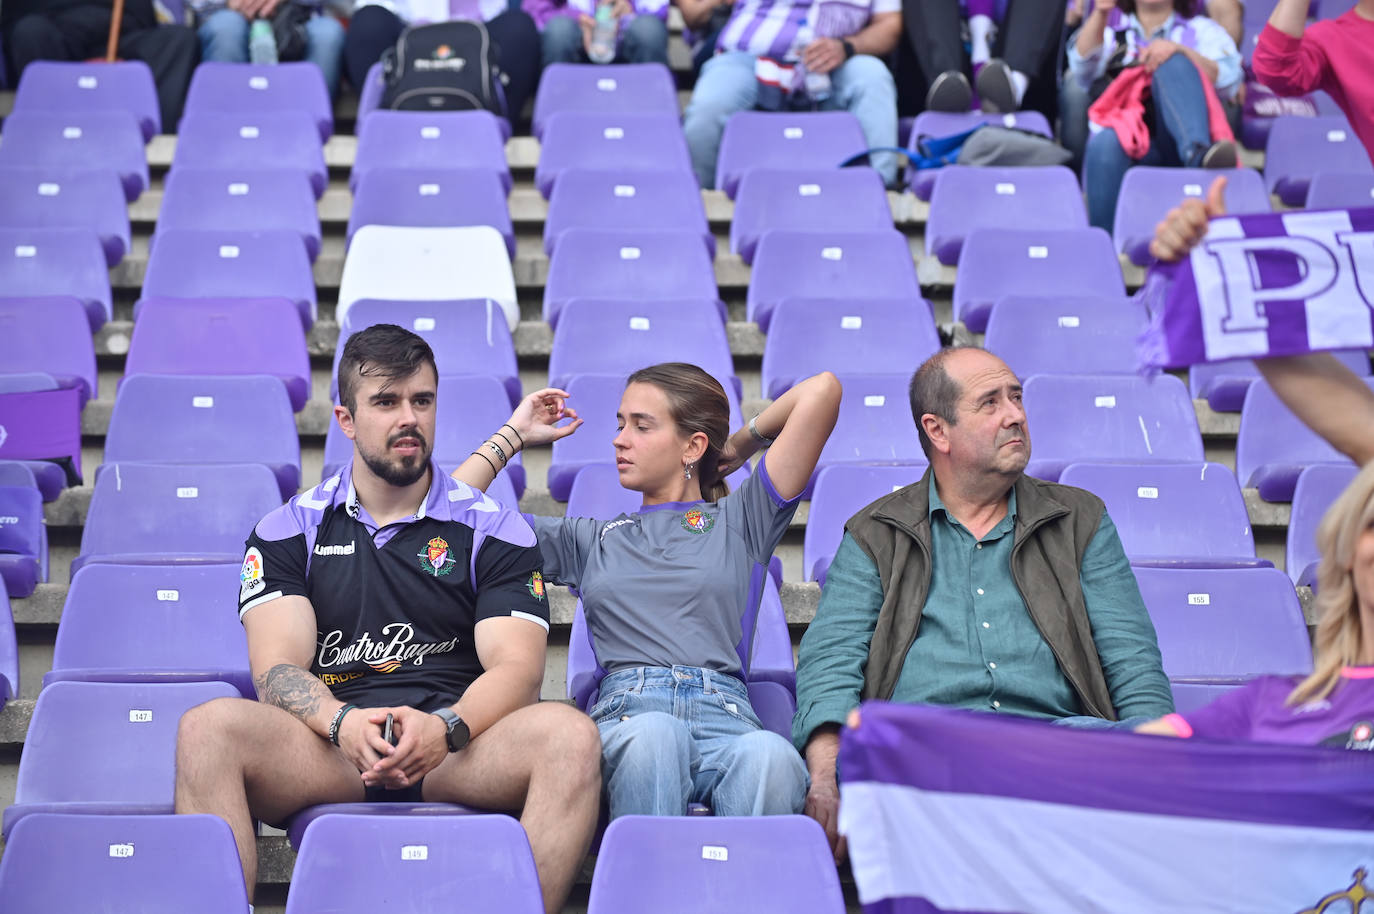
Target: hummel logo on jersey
[[335, 550]]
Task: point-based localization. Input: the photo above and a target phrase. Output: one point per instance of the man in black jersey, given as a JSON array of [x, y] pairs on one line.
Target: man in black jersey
[[394, 589]]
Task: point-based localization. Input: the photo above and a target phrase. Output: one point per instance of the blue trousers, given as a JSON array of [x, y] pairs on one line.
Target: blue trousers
[[680, 735], [644, 40], [224, 37], [1181, 136]]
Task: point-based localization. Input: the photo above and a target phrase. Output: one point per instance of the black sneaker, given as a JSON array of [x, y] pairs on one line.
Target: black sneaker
[[1221, 154], [996, 92], [950, 92]]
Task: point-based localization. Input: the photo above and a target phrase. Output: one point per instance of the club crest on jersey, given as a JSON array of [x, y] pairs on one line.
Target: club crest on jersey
[[436, 559], [536, 585], [250, 575], [697, 521]]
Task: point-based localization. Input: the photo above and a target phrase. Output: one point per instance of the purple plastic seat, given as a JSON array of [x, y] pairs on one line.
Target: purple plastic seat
[[828, 200], [51, 335], [436, 139], [43, 431], [966, 198], [874, 427], [9, 651], [597, 398], [1273, 446], [1173, 515], [297, 824], [770, 139], [1300, 147], [1108, 419], [102, 139], [149, 514], [1340, 190], [49, 86], [665, 264], [468, 337], [631, 88], [616, 337], [239, 88], [470, 408], [596, 492], [1224, 384], [1219, 628], [123, 864], [153, 623], [23, 539], [606, 198], [940, 124], [1317, 488], [841, 265], [281, 139], [419, 864], [1147, 195], [841, 492], [810, 335], [202, 336], [431, 197], [134, 770], [241, 199], [1065, 335], [629, 142], [202, 419], [44, 197], [210, 263], [765, 863], [1044, 262], [41, 263]]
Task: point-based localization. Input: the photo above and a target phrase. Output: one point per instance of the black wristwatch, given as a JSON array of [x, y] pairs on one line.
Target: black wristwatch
[[457, 734], [848, 48]]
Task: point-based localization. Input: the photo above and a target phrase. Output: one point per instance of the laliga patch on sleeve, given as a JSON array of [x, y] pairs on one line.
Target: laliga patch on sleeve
[[251, 580]]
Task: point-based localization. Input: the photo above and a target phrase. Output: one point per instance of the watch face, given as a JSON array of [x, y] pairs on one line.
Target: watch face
[[458, 734]]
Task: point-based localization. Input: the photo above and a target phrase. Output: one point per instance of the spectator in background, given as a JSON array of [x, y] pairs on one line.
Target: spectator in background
[[1029, 37], [1335, 55], [1178, 51], [703, 21], [854, 37], [566, 29], [79, 30], [377, 24], [224, 33]]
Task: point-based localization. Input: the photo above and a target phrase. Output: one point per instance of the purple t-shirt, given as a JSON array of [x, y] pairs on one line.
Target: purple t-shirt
[[1257, 712]]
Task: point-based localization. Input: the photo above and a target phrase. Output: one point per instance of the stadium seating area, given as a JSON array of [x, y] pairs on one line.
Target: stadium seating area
[[170, 318]]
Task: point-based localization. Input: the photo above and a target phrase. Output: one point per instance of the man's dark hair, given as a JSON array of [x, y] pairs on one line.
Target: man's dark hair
[[384, 350], [934, 391]]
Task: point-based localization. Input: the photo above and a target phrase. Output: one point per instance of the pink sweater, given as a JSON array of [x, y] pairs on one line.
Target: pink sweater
[[1335, 55]]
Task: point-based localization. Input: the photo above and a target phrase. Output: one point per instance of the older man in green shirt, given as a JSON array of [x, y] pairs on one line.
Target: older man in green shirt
[[1019, 590]]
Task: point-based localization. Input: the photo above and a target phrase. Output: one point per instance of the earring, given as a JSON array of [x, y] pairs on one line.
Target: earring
[[687, 471]]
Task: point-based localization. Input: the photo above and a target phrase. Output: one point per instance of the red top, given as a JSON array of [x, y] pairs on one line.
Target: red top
[[1334, 55]]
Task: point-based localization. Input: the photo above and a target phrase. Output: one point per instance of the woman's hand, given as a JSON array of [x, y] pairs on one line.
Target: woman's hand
[[536, 418], [739, 447], [1158, 51]]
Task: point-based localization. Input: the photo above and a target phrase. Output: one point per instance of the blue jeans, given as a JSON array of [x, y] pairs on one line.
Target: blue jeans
[[644, 40], [1088, 722], [861, 85], [224, 37], [1180, 136], [683, 735], [1073, 118]]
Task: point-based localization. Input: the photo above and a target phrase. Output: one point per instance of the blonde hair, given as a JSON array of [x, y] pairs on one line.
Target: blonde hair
[[1340, 636]]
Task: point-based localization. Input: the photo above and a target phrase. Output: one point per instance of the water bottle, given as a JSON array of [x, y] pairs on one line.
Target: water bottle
[[602, 49], [818, 86], [262, 42]]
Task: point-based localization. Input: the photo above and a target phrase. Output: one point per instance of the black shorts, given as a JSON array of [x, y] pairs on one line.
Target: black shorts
[[412, 794]]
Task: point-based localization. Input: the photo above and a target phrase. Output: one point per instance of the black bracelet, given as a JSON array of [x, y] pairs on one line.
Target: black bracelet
[[517, 432], [494, 470], [337, 721], [505, 439], [496, 448]]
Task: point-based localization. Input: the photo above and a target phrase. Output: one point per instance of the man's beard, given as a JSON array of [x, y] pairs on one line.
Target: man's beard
[[400, 472]]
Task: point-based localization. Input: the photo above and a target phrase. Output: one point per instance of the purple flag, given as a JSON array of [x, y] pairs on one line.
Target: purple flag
[[1264, 285], [959, 811]]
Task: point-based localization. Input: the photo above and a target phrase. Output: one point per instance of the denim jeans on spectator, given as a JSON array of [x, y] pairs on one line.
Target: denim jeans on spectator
[[643, 40], [1087, 722], [224, 37], [1073, 119], [673, 736], [1180, 136], [861, 85]]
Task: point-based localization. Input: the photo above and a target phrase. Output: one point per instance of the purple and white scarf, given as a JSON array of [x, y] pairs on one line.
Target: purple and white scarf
[[1264, 285]]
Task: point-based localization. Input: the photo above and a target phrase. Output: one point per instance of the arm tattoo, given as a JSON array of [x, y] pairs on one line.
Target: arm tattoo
[[292, 689]]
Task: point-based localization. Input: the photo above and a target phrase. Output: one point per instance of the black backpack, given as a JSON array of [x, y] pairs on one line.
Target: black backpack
[[444, 66]]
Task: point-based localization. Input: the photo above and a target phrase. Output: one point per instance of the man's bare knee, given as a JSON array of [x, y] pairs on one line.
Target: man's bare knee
[[208, 727], [573, 741]]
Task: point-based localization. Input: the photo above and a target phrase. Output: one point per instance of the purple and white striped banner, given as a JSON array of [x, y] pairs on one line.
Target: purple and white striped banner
[[1264, 285], [957, 811]]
